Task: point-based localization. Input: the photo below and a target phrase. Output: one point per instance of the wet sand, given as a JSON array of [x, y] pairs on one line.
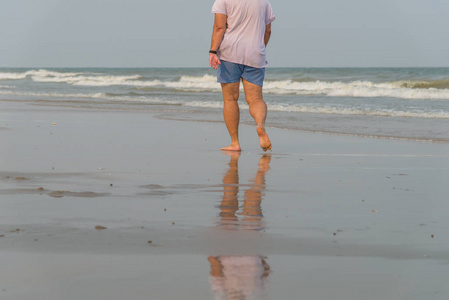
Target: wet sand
[[100, 204]]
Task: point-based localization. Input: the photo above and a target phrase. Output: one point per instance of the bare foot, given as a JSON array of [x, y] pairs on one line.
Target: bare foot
[[264, 162], [232, 148], [231, 153], [265, 142]]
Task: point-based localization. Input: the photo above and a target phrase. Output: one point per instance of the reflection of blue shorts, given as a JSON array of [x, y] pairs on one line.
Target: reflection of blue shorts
[[229, 72]]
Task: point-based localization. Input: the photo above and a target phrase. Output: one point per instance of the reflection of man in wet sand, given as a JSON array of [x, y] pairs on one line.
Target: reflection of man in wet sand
[[252, 211], [240, 276]]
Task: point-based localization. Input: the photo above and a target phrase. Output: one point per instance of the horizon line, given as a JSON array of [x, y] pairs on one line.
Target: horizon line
[[196, 67]]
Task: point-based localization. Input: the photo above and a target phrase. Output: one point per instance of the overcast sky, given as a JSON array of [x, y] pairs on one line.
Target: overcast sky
[[176, 33]]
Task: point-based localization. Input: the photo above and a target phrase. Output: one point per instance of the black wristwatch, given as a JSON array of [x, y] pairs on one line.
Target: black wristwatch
[[212, 52]]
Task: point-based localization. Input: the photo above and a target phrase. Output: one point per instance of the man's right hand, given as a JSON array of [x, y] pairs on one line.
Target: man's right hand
[[214, 61]]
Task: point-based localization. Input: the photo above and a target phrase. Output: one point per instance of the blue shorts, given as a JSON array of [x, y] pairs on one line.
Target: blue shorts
[[229, 72]]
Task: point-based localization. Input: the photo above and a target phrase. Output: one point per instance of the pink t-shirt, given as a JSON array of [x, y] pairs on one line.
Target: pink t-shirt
[[243, 41]]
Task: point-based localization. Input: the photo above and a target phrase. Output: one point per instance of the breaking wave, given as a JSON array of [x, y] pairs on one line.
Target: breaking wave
[[365, 89], [436, 89]]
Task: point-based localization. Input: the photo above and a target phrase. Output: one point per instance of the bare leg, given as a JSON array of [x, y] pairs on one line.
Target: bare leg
[[258, 110], [231, 113], [252, 209], [230, 204], [216, 268]]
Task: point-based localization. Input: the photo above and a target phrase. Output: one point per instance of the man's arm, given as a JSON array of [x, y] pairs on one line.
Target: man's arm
[[267, 34], [217, 37]]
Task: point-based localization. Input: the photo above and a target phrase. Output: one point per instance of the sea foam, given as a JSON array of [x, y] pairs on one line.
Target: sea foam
[[207, 83], [358, 111], [353, 89]]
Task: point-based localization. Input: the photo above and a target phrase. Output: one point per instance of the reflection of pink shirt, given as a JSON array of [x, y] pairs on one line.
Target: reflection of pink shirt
[[243, 41], [243, 277]]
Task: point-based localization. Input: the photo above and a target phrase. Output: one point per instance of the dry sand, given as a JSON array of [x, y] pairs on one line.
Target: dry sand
[[123, 205]]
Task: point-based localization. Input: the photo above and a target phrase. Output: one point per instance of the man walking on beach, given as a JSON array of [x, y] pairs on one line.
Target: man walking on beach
[[242, 29]]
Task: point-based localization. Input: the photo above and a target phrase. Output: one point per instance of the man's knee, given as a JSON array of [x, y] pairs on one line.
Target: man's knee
[[230, 91], [231, 98], [253, 97]]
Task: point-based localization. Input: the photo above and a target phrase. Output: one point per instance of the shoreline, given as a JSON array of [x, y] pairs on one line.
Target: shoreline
[[305, 122]]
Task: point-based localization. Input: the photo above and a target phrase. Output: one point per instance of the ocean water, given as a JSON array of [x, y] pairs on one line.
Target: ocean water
[[404, 103]]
